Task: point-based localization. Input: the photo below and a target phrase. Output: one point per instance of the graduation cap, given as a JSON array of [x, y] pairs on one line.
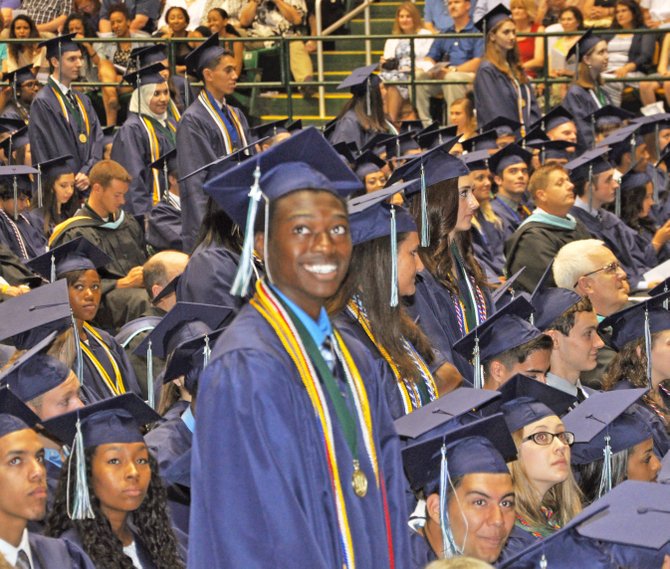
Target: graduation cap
[[492, 18], [664, 157], [503, 331], [52, 168], [14, 414], [10, 125], [523, 411], [17, 139], [224, 163], [59, 45], [116, 420], [452, 405], [477, 160], [366, 163], [609, 115], [638, 321], [485, 141], [602, 428], [583, 45], [27, 319], [166, 163], [76, 255], [270, 129], [633, 179], [146, 75], [206, 52], [519, 385], [377, 142], [506, 157], [590, 164], [13, 173], [370, 218], [329, 128], [482, 447], [304, 161], [550, 303], [554, 118], [401, 145], [498, 296], [360, 82], [34, 372], [148, 54], [502, 125], [411, 126], [437, 137], [168, 289], [19, 76], [553, 149], [624, 140], [347, 151], [663, 286]]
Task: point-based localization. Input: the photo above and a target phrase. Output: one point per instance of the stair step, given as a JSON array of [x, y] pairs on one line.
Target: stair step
[[278, 105]]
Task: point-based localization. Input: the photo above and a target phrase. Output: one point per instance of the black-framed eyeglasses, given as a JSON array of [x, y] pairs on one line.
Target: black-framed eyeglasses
[[608, 269], [545, 439]]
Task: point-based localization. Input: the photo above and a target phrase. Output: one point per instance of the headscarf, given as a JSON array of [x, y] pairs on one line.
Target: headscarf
[[139, 102]]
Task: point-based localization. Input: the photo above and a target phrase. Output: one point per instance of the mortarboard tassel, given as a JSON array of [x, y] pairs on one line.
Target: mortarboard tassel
[[80, 355], [394, 260], [166, 177], [606, 475], [425, 238], [53, 269], [243, 276], [81, 502], [593, 129], [368, 103], [647, 345], [591, 188], [39, 187], [187, 92], [150, 375], [206, 353], [543, 562], [666, 301], [15, 187], [531, 318], [448, 542], [479, 376], [617, 201]]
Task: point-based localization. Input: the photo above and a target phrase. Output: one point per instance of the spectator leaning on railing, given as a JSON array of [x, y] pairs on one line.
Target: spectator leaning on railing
[[648, 88]]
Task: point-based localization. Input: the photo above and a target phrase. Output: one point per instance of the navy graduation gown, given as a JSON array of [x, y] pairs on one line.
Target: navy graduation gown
[[49, 553], [488, 243], [582, 104], [510, 218], [208, 276], [199, 142], [164, 228], [12, 269], [168, 441], [28, 243], [52, 134], [534, 246], [349, 129], [497, 96], [131, 149], [422, 553], [621, 239], [258, 456]]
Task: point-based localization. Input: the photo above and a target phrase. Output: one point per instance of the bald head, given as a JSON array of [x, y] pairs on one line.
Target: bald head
[[159, 270]]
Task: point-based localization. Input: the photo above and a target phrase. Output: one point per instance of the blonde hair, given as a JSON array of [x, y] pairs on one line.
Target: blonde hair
[[528, 5], [563, 499], [413, 12]]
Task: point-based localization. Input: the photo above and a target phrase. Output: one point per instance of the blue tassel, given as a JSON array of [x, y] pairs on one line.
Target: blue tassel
[[394, 260], [425, 238], [81, 501], [448, 542], [15, 185], [245, 270], [591, 188], [150, 376], [479, 376], [606, 475], [647, 345]]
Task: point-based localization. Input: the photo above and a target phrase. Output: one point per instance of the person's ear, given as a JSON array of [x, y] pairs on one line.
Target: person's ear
[[497, 179], [259, 244], [553, 334], [433, 507], [497, 372]]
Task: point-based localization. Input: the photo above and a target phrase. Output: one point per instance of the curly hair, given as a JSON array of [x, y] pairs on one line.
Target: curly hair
[[14, 48], [442, 199], [99, 542]]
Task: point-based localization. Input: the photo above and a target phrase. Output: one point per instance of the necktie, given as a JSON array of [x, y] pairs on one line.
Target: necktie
[[580, 395], [73, 100], [327, 353], [22, 561]]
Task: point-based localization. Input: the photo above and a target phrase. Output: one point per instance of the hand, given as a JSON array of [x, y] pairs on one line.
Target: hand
[[310, 46], [13, 291], [661, 236], [621, 73], [134, 279], [666, 562], [81, 181]]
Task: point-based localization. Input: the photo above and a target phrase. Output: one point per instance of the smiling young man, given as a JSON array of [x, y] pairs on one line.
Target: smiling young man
[[286, 424], [209, 129], [63, 121], [23, 494]]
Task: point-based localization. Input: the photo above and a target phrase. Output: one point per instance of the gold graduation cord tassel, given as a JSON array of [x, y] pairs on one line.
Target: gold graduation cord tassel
[[81, 501], [241, 283], [150, 376], [394, 259]]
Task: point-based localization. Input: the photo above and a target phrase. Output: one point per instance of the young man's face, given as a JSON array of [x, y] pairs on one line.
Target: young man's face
[[23, 487], [59, 400], [514, 179], [309, 247], [536, 366], [28, 90], [579, 349], [605, 187], [68, 68], [22, 204], [566, 131], [112, 197], [223, 78]]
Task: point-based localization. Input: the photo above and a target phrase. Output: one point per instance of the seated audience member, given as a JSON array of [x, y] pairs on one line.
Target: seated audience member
[[129, 528], [450, 59], [396, 62], [648, 88], [24, 87], [90, 10], [508, 345], [142, 16], [177, 21], [474, 465], [548, 228], [103, 222], [218, 22], [509, 167], [531, 50], [24, 54], [24, 494]]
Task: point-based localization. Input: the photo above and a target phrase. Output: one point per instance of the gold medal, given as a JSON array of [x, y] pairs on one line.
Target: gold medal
[[359, 481], [83, 138]]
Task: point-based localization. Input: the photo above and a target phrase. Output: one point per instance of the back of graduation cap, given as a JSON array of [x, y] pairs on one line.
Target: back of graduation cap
[[16, 182], [553, 149], [148, 54], [502, 126], [16, 140], [523, 411], [19, 76], [14, 414], [508, 156], [522, 386], [476, 160], [117, 420], [401, 145], [622, 141], [11, 125], [166, 164], [504, 330], [76, 255], [633, 179], [602, 428], [59, 45], [437, 137], [361, 81], [306, 161], [148, 75], [367, 163], [485, 141], [499, 13], [589, 164], [482, 447], [550, 302], [371, 218], [609, 116], [52, 169], [506, 292], [220, 165], [27, 319], [585, 44], [206, 52], [554, 118]]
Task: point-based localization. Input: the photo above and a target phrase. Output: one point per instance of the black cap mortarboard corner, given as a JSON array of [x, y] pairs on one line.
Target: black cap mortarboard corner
[[76, 255], [148, 54], [59, 45], [148, 75], [519, 385], [485, 141], [14, 414], [506, 292], [499, 13], [367, 163], [503, 126], [207, 51], [511, 154], [585, 44], [523, 411], [549, 303], [438, 137], [554, 118]]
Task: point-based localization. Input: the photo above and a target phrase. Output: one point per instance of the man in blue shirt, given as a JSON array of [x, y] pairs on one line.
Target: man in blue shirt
[[452, 59]]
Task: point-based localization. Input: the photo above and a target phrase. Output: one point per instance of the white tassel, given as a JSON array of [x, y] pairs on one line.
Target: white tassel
[[448, 541], [150, 376], [206, 353], [479, 375], [543, 562], [81, 506], [606, 475], [425, 237], [394, 260], [647, 345], [243, 276], [53, 269]]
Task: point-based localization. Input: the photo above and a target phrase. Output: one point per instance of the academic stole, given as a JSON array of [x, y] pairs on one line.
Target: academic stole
[[17, 234], [212, 107], [116, 387], [79, 113], [410, 392], [472, 312], [150, 126], [267, 304]]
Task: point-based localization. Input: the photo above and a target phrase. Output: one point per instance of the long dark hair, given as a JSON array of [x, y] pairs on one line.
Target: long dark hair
[[375, 121], [442, 199], [631, 207], [638, 18], [99, 541], [388, 324], [49, 205], [589, 475], [512, 57], [89, 32], [13, 48], [218, 228]]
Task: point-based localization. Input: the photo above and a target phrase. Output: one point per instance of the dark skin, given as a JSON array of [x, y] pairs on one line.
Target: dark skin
[[309, 247]]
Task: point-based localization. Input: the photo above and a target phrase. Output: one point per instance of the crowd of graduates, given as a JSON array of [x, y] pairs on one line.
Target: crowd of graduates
[[376, 345]]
